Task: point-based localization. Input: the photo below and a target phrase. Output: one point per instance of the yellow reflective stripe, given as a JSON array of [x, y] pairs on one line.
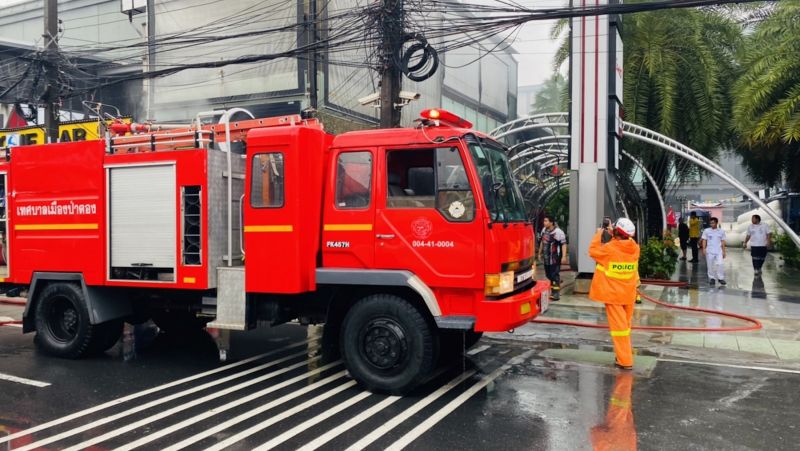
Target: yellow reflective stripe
[[620, 403], [347, 227], [620, 333], [94, 226], [189, 280], [268, 228]]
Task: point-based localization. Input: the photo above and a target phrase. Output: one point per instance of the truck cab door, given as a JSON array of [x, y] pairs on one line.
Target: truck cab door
[[349, 210], [427, 220]]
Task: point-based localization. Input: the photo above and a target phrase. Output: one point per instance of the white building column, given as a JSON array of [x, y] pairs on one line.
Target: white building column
[[595, 128]]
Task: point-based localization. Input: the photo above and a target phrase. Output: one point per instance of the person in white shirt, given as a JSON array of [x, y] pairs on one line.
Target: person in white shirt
[[760, 237], [712, 242]]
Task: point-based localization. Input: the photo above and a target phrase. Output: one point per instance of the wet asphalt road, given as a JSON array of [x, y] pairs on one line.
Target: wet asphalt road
[[279, 393]]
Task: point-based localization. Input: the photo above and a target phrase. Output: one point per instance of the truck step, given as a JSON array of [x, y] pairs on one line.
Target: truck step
[[231, 305]]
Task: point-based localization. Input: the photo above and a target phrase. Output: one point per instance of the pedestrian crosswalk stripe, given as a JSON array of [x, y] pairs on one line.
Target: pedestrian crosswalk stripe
[[349, 424], [225, 425], [239, 401], [312, 422], [408, 413], [275, 419], [159, 401], [298, 377], [118, 401], [454, 404], [478, 349]]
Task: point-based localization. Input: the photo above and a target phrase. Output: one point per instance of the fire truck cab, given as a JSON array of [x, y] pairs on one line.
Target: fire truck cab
[[407, 243]]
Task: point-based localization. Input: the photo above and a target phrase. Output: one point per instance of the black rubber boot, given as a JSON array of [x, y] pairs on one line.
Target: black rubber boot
[[555, 293]]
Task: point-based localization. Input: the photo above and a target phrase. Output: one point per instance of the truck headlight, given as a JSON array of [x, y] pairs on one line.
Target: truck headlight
[[497, 284]]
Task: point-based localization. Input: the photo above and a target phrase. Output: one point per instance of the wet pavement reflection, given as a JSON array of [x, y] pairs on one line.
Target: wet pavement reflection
[[618, 431]]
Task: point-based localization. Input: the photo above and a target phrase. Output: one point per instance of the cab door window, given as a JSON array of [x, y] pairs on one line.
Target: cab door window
[[353, 180], [430, 178], [267, 181]]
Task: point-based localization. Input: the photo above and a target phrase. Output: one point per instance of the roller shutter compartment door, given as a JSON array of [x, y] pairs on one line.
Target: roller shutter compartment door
[[143, 216]]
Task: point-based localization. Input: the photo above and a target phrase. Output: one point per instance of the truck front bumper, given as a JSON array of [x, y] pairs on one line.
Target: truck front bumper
[[508, 313]]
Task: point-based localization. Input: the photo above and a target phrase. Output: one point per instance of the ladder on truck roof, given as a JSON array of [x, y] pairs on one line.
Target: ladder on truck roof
[[152, 137]]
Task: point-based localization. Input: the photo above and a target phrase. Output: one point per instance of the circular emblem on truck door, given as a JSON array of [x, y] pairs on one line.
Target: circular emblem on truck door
[[421, 228], [456, 209]]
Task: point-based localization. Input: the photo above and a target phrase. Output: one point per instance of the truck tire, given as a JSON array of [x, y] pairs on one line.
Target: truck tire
[[63, 327], [387, 344]]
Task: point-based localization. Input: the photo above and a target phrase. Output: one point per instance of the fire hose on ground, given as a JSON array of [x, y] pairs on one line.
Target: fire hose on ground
[[755, 324]]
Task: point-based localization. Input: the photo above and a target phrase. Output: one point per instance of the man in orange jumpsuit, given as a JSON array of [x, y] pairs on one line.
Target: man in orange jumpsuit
[[614, 284]]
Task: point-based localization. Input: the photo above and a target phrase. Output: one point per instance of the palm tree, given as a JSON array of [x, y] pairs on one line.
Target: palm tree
[[678, 70], [551, 98], [766, 110]]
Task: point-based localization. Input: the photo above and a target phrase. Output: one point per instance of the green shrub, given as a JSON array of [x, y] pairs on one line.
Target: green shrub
[[789, 251], [658, 258]]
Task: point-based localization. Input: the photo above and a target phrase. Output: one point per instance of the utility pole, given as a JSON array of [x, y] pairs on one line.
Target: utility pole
[[51, 117], [149, 83], [392, 31], [312, 54]]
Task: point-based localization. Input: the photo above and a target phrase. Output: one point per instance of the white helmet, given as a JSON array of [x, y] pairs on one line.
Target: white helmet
[[625, 227]]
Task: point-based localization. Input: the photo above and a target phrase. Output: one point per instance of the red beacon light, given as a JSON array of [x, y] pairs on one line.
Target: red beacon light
[[445, 117]]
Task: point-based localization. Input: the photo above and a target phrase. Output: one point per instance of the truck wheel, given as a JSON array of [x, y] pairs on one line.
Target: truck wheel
[[62, 321], [387, 344]]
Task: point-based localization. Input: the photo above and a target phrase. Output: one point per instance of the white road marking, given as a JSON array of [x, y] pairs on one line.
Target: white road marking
[[22, 380], [174, 396], [219, 409], [408, 413], [222, 426], [474, 351], [347, 425], [182, 407], [280, 417], [312, 422], [454, 404], [118, 401], [728, 365]]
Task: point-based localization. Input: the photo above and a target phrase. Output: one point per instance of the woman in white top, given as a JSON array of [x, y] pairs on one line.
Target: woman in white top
[[760, 238]]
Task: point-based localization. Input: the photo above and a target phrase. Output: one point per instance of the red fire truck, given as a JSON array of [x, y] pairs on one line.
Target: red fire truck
[[402, 241]]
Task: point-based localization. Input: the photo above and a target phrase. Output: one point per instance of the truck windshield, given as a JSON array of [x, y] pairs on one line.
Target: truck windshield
[[500, 192]]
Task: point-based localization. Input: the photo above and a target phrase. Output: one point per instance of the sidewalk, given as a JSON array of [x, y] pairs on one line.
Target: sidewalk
[[773, 299]]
